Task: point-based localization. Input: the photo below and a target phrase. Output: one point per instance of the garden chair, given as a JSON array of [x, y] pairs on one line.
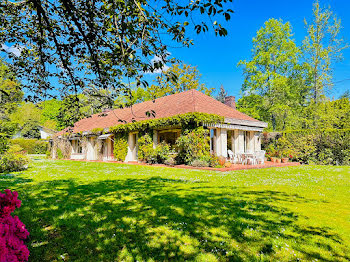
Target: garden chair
[[230, 155], [260, 157], [250, 159]]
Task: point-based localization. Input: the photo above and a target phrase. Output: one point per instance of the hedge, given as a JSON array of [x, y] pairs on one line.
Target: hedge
[[318, 146], [31, 146]]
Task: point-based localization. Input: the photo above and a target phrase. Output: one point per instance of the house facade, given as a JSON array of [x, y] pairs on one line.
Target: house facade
[[93, 138]]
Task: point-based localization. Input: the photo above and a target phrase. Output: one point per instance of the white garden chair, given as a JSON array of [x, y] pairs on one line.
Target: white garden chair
[[230, 155], [260, 157]]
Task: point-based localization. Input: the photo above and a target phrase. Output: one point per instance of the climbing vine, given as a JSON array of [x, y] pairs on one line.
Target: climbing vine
[[120, 147], [186, 121]]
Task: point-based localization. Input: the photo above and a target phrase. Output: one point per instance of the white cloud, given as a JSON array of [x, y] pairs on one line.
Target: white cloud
[[11, 49], [160, 70]]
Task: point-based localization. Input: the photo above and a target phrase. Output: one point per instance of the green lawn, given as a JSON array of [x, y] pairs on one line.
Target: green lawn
[[77, 211]]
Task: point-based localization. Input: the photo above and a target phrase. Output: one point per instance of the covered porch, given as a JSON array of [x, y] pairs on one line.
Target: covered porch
[[237, 143]]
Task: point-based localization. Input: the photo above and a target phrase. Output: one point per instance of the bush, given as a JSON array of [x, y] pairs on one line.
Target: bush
[[161, 153], [170, 161], [13, 160], [12, 230], [193, 145], [199, 163], [120, 147], [151, 155], [59, 154], [146, 151], [4, 141], [325, 147], [31, 146]]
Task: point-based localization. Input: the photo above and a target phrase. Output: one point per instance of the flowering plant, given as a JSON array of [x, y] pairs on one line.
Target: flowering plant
[[12, 230]]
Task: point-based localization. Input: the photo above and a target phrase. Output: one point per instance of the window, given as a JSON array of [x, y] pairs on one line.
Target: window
[[78, 147], [168, 137]]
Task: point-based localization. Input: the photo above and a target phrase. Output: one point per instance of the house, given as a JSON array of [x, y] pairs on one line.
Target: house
[[92, 138]]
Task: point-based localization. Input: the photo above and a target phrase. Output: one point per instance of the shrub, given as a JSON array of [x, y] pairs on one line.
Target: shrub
[[146, 151], [3, 142], [199, 163], [151, 155], [161, 153], [170, 161], [326, 147], [193, 145], [120, 147], [32, 146], [59, 154], [12, 230], [13, 160]]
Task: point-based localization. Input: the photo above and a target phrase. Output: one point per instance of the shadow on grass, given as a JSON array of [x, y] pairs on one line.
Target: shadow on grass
[[164, 219]]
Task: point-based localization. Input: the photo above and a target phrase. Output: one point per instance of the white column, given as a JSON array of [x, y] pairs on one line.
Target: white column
[[240, 139], [155, 138], [257, 141], [223, 138], [217, 143], [251, 141], [131, 145]]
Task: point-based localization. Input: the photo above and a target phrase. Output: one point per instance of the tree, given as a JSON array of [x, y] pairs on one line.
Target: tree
[[322, 47], [273, 78], [10, 96], [178, 78], [10, 91], [222, 94], [31, 129], [98, 43], [49, 113], [73, 108], [27, 112]]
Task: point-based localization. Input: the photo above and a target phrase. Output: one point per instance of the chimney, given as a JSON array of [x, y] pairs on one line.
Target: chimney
[[230, 101]]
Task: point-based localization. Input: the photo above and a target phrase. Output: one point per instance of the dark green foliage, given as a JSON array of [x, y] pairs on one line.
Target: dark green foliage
[[31, 146], [31, 130], [67, 46], [193, 145], [3, 142], [222, 94], [120, 147], [71, 111]]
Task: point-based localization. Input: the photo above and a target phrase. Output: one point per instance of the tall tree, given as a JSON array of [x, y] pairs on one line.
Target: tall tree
[[222, 94], [272, 75], [99, 43], [178, 78], [322, 47], [10, 91]]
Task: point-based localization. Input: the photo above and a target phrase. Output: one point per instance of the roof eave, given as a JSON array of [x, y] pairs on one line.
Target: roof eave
[[245, 122]]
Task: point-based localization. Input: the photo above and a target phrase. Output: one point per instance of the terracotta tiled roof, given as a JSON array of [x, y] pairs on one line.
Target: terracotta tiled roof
[[181, 103]]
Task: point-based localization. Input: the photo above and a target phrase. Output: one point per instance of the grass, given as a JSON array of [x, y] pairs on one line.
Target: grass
[[78, 211]]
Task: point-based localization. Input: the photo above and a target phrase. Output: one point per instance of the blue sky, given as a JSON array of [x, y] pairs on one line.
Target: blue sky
[[217, 57]]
